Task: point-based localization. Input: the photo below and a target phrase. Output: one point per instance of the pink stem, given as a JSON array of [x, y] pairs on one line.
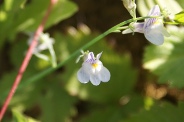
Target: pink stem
[[26, 60]]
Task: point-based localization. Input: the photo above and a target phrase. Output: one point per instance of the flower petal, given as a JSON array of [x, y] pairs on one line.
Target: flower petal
[[98, 56], [155, 37], [90, 57], [137, 27], [87, 67], [94, 79], [159, 27], [104, 74], [82, 76], [155, 11]]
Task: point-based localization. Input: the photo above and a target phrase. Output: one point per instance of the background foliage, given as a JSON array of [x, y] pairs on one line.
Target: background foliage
[[146, 80]]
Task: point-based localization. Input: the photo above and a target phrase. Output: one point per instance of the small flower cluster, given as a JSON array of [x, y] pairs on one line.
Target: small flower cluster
[[153, 29], [93, 70]]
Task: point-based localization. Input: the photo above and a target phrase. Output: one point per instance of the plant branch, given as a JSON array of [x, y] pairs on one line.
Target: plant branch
[[26, 59]]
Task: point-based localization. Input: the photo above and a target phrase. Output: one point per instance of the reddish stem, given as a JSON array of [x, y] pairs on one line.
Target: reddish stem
[[26, 59]]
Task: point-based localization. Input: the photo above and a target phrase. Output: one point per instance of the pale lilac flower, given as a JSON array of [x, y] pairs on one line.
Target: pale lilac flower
[[152, 28], [93, 70]]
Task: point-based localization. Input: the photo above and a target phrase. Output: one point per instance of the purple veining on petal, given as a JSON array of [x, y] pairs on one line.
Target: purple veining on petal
[[90, 58], [155, 11], [149, 22]]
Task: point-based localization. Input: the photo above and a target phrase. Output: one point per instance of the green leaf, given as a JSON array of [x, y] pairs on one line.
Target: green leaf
[[9, 12], [114, 112], [5, 84], [56, 104], [165, 112], [110, 114], [181, 2], [62, 10], [166, 61], [11, 5], [52, 102], [179, 17], [28, 18], [19, 117], [23, 99]]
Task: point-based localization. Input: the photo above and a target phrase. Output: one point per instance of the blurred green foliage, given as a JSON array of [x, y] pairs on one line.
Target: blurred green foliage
[[166, 61], [17, 19], [171, 6], [60, 97], [164, 112]]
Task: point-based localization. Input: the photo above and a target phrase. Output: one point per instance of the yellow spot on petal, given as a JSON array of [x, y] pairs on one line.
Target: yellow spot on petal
[[95, 65]]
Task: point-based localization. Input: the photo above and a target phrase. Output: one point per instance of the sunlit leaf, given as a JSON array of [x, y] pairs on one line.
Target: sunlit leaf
[[179, 17], [144, 6], [166, 61], [10, 5], [28, 18], [8, 13], [19, 117]]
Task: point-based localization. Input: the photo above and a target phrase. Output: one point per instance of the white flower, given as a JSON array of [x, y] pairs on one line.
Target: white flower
[[93, 70], [44, 43], [152, 28]]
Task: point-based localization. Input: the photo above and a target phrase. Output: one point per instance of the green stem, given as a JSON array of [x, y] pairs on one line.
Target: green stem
[[50, 70]]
